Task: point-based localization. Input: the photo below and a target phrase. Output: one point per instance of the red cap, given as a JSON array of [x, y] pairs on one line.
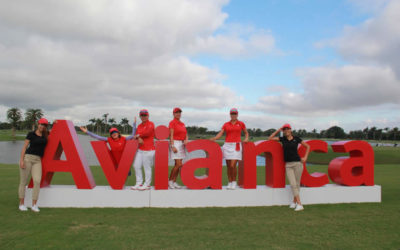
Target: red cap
[[233, 111], [143, 112], [176, 110], [43, 121], [112, 130], [287, 125]]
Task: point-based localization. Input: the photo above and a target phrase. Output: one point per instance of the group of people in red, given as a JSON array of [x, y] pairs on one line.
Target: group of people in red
[[35, 143]]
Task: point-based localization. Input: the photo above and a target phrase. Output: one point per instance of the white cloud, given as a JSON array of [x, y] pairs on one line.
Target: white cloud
[[70, 57], [370, 79]]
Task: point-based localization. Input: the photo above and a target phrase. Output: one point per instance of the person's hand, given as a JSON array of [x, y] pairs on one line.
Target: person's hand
[[174, 149], [246, 140], [22, 164], [303, 160], [212, 139], [134, 120], [83, 129], [185, 142], [140, 140]]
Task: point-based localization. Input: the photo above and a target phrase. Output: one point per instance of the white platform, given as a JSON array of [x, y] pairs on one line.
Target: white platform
[[104, 196]]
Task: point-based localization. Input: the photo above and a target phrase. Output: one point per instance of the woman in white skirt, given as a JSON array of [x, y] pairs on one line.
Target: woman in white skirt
[[178, 139], [232, 148]]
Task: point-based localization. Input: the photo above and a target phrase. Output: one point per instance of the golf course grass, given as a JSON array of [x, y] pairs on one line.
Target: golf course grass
[[333, 226]]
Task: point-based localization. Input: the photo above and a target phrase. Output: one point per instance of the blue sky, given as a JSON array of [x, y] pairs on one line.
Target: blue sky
[[296, 25]]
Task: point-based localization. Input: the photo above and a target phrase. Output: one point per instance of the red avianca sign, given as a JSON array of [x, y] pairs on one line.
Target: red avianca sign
[[355, 170]]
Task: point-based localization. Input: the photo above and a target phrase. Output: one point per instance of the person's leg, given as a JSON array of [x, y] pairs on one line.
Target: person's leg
[[233, 169], [24, 174], [298, 170], [177, 168], [138, 167], [36, 177], [148, 160], [292, 178], [228, 170]]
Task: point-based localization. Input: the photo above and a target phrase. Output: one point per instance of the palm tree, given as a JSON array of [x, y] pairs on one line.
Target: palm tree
[[99, 123], [111, 121], [32, 116], [124, 123], [14, 116], [105, 121], [92, 123]]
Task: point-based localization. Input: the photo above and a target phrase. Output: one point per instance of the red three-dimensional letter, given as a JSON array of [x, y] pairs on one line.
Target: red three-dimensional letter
[[116, 173], [315, 179], [356, 170], [63, 137], [274, 164], [161, 158], [213, 162]]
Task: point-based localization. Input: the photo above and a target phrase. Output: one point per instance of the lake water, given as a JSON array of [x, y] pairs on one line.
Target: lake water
[[11, 151]]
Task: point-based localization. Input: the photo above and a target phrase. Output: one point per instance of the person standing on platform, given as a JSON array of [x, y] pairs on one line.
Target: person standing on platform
[[144, 158], [30, 163], [178, 140], [294, 164], [232, 148]]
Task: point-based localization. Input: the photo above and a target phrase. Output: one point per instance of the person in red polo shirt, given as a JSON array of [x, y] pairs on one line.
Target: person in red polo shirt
[[145, 155], [232, 148], [115, 140], [178, 139]]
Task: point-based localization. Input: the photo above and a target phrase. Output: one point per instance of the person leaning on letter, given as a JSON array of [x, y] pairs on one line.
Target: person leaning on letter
[[293, 162]]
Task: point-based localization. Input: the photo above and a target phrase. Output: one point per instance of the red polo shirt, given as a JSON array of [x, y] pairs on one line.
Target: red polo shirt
[[179, 129], [233, 131], [117, 147], [146, 132]]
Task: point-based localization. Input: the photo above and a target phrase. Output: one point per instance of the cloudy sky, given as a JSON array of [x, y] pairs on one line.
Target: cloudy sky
[[308, 62]]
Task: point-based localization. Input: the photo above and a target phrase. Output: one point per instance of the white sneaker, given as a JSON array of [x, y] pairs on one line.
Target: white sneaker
[[177, 186], [234, 185], [35, 209], [293, 205], [22, 208], [229, 186], [171, 185], [299, 207], [136, 187], [144, 187]]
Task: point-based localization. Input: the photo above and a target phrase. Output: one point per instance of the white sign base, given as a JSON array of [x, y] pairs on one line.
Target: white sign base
[[104, 196]]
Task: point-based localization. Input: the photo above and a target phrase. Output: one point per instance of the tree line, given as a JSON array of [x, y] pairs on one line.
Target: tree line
[[334, 132], [16, 120]]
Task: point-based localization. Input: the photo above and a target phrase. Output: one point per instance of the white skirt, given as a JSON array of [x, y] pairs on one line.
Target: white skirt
[[180, 146], [230, 153]]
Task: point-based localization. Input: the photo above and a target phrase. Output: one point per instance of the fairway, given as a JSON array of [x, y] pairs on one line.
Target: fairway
[[340, 226]]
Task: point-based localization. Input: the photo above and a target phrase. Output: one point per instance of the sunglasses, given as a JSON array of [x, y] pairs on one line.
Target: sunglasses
[[114, 132], [143, 115], [286, 128], [45, 125]]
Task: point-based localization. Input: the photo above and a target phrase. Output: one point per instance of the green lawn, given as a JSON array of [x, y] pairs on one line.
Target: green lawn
[[335, 226], [6, 135]]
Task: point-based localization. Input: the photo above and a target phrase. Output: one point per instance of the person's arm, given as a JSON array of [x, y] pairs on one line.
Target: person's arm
[[305, 144], [273, 136], [246, 135], [133, 131], [218, 135], [93, 135], [186, 139], [171, 140], [21, 160]]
